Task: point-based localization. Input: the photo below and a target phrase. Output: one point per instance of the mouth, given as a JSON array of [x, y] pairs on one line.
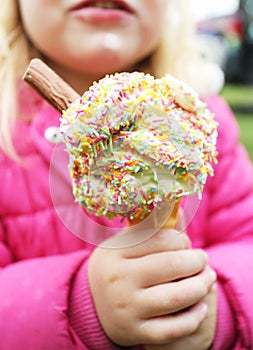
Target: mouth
[[104, 5]]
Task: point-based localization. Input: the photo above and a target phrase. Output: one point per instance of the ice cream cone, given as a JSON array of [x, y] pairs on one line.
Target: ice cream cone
[[171, 221]]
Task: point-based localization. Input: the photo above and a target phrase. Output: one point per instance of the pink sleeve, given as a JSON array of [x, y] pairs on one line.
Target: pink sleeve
[[34, 296], [45, 303], [5, 255], [235, 309], [83, 316], [229, 236], [225, 326]]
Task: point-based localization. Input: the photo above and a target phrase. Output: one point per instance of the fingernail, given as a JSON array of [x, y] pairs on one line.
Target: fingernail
[[213, 274], [203, 309]]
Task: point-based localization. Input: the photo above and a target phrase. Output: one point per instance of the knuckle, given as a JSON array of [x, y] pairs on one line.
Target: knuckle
[[176, 300], [112, 278]]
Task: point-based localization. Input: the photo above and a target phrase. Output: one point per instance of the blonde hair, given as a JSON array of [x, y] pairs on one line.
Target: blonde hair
[[175, 55], [179, 52], [14, 55]]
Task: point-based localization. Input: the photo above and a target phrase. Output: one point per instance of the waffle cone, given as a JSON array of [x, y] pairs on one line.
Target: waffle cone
[[170, 223]]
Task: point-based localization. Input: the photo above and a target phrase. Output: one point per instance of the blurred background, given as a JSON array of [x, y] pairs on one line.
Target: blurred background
[[225, 35]]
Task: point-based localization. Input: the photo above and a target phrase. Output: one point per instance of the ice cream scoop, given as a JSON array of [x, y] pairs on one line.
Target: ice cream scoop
[[134, 142]]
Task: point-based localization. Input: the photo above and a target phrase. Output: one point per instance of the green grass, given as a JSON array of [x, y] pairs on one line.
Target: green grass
[[240, 98], [246, 125], [238, 95]]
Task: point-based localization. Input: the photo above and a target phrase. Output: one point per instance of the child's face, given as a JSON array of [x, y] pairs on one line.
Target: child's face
[[79, 35]]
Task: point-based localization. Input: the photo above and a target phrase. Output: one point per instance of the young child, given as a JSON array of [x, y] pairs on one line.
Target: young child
[[60, 292]]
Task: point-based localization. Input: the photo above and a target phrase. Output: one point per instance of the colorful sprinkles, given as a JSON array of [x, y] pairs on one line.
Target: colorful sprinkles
[[135, 142]]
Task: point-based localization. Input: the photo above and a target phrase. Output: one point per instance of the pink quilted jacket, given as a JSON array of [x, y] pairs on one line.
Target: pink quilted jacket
[[45, 303]]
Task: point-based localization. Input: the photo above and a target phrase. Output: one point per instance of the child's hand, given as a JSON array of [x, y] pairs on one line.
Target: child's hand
[[203, 337], [139, 291]]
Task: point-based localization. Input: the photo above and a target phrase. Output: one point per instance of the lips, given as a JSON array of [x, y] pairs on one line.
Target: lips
[[103, 4], [103, 12]]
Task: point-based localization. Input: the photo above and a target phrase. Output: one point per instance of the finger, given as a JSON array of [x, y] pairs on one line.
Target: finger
[[172, 297], [168, 266], [163, 330], [203, 336], [162, 241]]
